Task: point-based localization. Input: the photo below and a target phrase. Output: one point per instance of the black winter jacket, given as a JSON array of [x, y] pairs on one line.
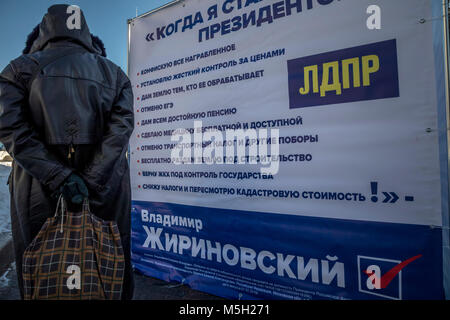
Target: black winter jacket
[[65, 108]]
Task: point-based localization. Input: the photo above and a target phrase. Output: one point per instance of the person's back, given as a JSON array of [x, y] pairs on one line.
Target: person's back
[[65, 113]]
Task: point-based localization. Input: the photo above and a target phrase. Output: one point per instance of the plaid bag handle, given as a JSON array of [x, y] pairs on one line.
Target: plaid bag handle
[[63, 209], [86, 209]]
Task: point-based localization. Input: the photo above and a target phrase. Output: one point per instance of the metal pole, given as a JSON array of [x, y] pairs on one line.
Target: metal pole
[[128, 48], [446, 240], [447, 73], [447, 64], [156, 10], [128, 74], [446, 48]]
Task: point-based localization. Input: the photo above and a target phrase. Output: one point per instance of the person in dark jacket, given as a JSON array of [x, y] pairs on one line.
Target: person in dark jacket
[[66, 116]]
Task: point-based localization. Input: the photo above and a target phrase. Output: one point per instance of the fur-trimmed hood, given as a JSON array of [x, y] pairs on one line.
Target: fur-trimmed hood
[[53, 28]]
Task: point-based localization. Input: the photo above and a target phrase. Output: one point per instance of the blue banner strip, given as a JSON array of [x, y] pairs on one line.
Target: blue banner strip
[[253, 255]]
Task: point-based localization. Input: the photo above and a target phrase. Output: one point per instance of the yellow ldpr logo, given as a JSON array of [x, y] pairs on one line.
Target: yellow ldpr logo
[[354, 74], [370, 64]]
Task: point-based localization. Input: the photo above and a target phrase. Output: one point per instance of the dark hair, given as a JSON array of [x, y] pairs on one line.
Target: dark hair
[[98, 43], [30, 39]]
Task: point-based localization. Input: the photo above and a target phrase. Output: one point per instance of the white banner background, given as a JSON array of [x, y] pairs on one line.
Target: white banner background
[[382, 140]]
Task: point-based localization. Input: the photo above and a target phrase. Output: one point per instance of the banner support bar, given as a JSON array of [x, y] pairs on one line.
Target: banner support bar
[[155, 10]]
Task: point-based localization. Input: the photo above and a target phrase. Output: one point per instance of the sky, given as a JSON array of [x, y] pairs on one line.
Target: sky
[[106, 19]]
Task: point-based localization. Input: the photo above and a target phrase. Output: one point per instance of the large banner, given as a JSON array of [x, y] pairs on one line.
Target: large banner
[[290, 149]]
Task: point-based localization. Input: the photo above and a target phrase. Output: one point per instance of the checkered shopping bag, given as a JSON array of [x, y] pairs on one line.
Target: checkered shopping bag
[[75, 256]]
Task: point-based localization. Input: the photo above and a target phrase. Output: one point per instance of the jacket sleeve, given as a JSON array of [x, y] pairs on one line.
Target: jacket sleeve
[[109, 163], [16, 129]]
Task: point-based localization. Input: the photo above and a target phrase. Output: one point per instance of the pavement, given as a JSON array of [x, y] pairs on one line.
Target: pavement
[[6, 249], [146, 288], [8, 278]]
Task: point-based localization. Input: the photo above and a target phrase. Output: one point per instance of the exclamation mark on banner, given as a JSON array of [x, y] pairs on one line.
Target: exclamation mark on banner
[[374, 189]]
